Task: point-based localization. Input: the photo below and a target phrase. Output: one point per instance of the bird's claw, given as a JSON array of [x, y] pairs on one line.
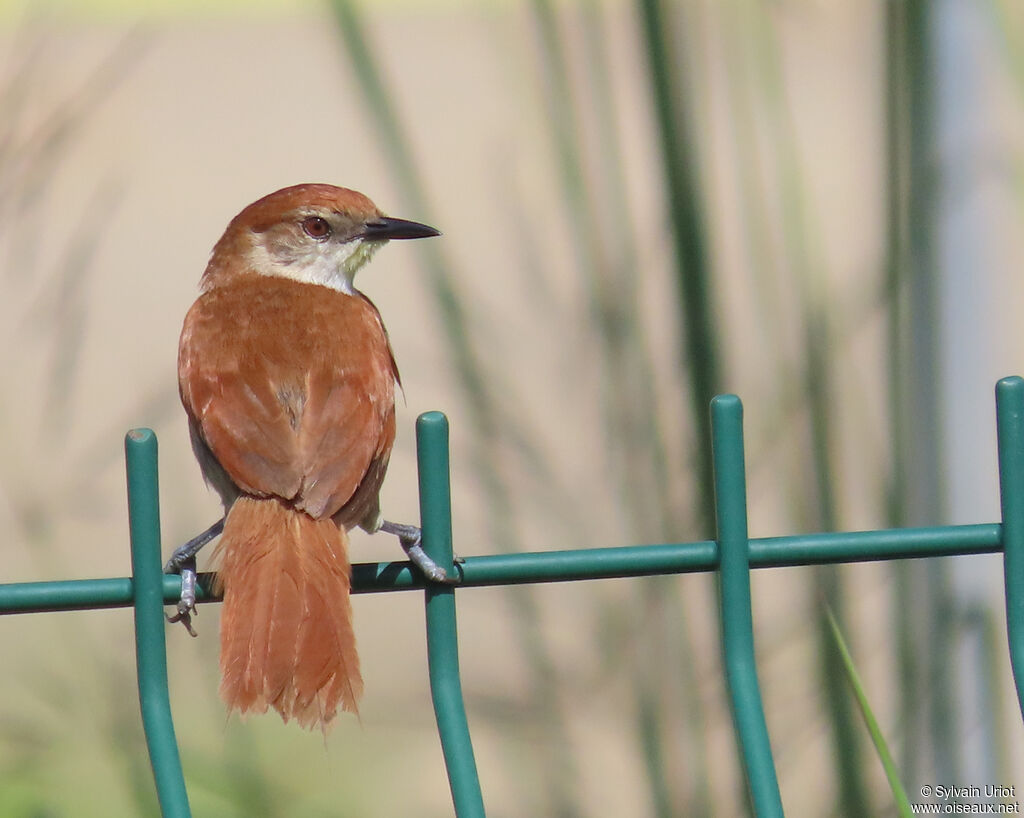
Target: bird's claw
[[184, 616], [411, 538], [183, 562], [431, 570], [187, 603]]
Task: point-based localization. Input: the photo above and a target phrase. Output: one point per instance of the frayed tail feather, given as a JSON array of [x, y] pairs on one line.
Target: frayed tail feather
[[286, 626]]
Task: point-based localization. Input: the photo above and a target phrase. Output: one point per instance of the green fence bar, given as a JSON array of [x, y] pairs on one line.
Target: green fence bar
[[561, 566], [66, 595], [733, 555], [681, 558], [150, 646], [1010, 433], [442, 631], [737, 617]]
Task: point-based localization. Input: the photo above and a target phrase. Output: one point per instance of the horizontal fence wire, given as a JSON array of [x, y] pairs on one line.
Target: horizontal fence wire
[[560, 566], [733, 554]]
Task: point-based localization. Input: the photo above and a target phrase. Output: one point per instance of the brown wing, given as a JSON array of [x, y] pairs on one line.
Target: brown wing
[[291, 387]]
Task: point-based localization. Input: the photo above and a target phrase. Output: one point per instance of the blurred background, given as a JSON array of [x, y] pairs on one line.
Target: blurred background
[[814, 205]]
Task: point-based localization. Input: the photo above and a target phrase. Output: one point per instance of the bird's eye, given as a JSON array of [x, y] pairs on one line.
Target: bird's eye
[[316, 227]]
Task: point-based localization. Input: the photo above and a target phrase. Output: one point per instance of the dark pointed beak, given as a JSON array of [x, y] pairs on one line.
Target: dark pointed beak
[[387, 228]]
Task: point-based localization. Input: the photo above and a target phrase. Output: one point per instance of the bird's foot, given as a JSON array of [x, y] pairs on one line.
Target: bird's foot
[[183, 562], [411, 538], [187, 602]]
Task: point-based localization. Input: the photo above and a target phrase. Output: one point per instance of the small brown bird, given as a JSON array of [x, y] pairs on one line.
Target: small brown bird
[[288, 380]]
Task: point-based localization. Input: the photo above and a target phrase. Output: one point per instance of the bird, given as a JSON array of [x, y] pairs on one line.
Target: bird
[[288, 381]]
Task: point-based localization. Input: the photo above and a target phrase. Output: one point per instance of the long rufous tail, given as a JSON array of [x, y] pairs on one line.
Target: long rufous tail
[[286, 638]]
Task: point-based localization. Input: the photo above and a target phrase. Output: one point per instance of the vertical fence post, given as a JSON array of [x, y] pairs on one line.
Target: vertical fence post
[[442, 631], [1010, 433], [737, 617], [150, 646]]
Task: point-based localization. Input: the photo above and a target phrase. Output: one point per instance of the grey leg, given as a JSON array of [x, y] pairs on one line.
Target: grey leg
[[189, 550], [187, 603], [411, 539], [183, 562]]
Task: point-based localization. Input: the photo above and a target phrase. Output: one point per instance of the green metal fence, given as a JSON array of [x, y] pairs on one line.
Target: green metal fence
[[732, 555]]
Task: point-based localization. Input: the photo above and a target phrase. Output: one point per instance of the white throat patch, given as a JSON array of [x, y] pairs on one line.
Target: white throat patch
[[330, 264]]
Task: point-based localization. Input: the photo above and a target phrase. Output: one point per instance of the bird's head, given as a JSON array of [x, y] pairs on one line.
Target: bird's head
[[317, 234]]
